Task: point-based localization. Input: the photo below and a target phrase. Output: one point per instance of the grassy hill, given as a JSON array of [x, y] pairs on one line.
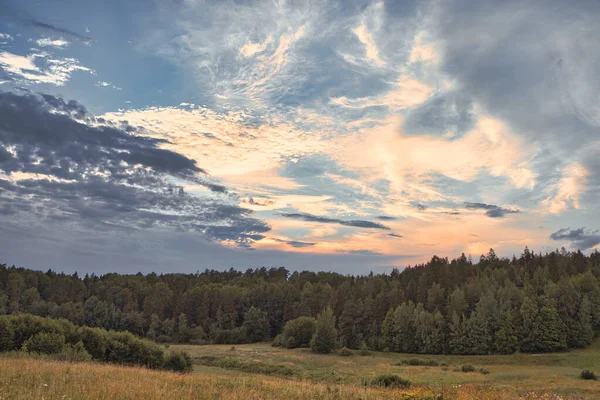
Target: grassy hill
[[259, 371]]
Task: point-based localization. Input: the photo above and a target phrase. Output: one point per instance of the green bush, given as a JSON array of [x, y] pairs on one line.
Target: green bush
[[74, 353], [6, 335], [467, 368], [345, 352], [277, 341], [588, 375], [393, 381], [298, 332], [45, 343], [178, 361], [164, 339], [364, 349], [483, 371], [230, 336], [64, 340], [419, 362]]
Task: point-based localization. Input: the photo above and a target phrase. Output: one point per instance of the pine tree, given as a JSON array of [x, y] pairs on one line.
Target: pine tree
[[505, 339], [457, 335], [387, 331], [550, 334], [528, 327], [325, 338]]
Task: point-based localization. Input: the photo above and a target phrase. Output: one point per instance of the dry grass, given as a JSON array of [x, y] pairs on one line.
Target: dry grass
[[553, 373], [43, 379]]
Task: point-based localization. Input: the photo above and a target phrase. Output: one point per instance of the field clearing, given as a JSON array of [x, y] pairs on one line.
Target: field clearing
[[23, 378], [520, 373]]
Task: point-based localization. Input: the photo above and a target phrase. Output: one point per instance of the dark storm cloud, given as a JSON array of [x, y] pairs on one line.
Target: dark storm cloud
[[295, 243], [326, 220], [386, 218], [103, 176], [582, 238], [492, 210], [48, 142]]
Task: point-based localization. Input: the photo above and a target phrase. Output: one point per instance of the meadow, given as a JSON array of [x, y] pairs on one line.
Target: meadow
[[514, 375], [259, 371]]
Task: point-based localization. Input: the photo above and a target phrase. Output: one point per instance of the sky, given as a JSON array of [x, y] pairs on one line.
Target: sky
[[348, 136]]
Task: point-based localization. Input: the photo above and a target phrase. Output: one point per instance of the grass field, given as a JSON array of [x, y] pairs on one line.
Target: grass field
[[299, 374], [553, 373]]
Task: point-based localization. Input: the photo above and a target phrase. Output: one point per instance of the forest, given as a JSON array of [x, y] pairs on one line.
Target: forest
[[533, 303]]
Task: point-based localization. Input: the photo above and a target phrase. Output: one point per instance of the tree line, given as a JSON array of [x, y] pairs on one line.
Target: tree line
[[533, 303]]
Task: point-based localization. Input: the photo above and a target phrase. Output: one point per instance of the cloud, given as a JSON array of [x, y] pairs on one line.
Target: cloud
[[326, 220], [372, 52], [386, 218], [40, 68], [394, 235], [107, 84], [45, 42], [295, 243], [582, 238], [567, 190], [492, 211], [6, 36], [62, 164]]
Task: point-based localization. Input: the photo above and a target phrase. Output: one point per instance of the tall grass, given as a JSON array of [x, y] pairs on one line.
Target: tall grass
[[37, 379]]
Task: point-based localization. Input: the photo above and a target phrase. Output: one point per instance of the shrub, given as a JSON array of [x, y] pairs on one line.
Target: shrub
[[467, 368], [483, 371], [230, 336], [419, 362], [364, 349], [178, 361], [588, 375], [390, 381], [45, 343], [298, 332], [345, 352], [164, 339], [6, 335], [277, 341], [74, 353], [443, 364]]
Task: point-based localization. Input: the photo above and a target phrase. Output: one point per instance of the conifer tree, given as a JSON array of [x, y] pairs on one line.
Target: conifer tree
[[325, 338]]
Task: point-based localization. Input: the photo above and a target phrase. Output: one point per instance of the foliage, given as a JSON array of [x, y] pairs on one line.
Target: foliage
[[588, 375], [345, 352], [467, 368], [530, 303], [6, 335], [392, 381], [418, 361], [178, 361], [325, 338], [298, 332], [364, 349], [45, 343], [66, 341], [256, 324], [277, 342]]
